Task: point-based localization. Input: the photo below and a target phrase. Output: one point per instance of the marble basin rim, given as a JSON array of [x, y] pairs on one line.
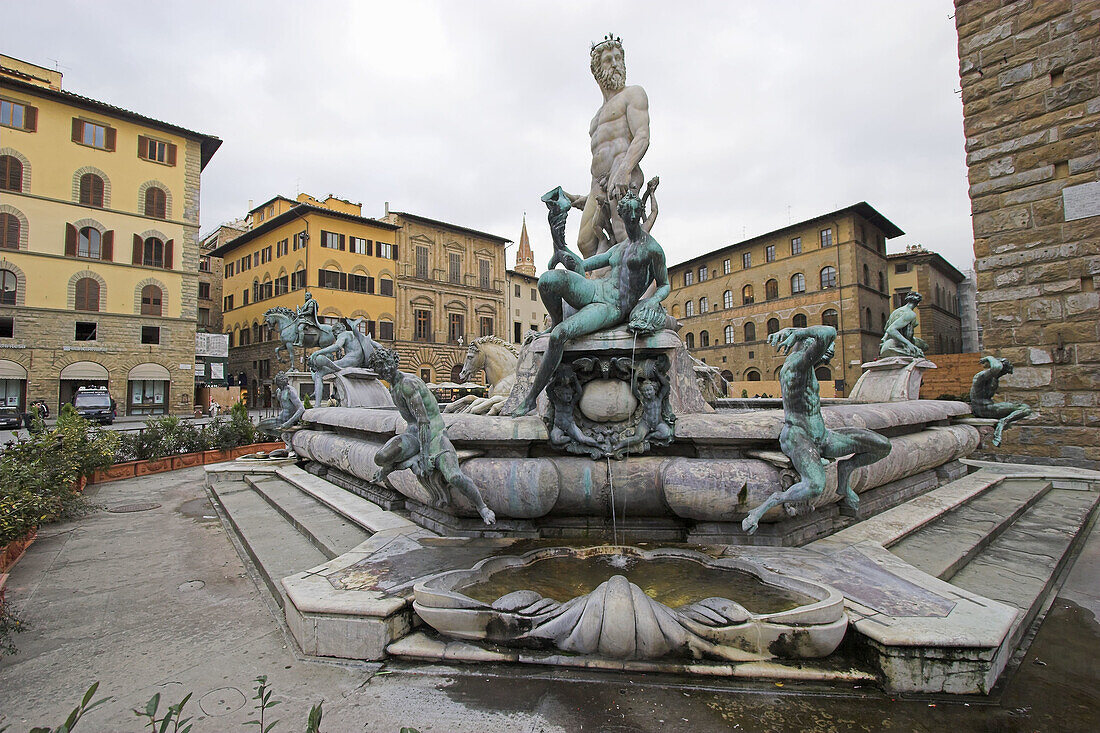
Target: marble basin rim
[[819, 624]]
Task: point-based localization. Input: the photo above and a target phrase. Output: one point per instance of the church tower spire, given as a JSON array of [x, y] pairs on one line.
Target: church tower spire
[[525, 258]]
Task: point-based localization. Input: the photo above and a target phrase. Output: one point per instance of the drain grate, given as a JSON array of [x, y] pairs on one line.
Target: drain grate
[[143, 506]]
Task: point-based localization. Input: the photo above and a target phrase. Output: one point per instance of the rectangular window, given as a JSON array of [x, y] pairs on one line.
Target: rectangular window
[[281, 247], [282, 285], [746, 260], [93, 135], [860, 234], [486, 325], [298, 280], [422, 329], [204, 264], [204, 317], [688, 278], [517, 288], [769, 253], [827, 237], [689, 308], [265, 255], [385, 330], [358, 245], [726, 267], [483, 274], [204, 291], [385, 287], [796, 246], [85, 331], [7, 327], [456, 327], [329, 279], [422, 263], [150, 334], [534, 294], [244, 297], [229, 270], [255, 260], [227, 303], [157, 150], [332, 240], [299, 241], [703, 273], [704, 305], [361, 284], [517, 332], [18, 115], [385, 250], [454, 268], [901, 267]]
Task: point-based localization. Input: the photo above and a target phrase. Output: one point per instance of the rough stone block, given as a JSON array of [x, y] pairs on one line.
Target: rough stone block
[[1002, 220], [1027, 378], [1080, 303], [1039, 356]]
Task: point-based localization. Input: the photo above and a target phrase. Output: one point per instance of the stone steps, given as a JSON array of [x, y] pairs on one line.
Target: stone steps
[[949, 542], [328, 531], [276, 547], [1022, 565]]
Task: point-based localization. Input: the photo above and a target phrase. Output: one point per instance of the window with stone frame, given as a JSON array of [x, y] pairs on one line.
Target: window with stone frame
[[11, 173], [10, 230], [704, 339], [746, 260], [483, 274], [150, 334], [153, 252], [727, 299], [799, 320], [87, 295], [456, 327], [830, 317], [689, 308], [89, 243], [93, 134], [796, 245], [827, 237], [9, 286], [486, 325], [7, 327], [204, 291], [688, 278], [828, 277], [703, 273], [86, 331], [422, 262], [771, 290], [773, 326], [798, 283], [728, 334], [91, 190], [750, 331], [151, 297], [726, 269], [156, 203], [454, 269], [704, 305], [422, 325], [747, 295], [769, 253], [689, 340], [158, 151]]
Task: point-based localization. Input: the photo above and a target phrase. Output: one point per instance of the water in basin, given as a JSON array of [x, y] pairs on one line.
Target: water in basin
[[672, 581]]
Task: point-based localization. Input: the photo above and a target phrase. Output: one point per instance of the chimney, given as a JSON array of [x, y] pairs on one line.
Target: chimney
[[387, 208]]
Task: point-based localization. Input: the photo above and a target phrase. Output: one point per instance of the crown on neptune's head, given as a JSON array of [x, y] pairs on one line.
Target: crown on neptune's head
[[609, 40]]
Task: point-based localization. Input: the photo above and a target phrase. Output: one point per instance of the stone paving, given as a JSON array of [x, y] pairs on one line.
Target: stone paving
[[159, 601]]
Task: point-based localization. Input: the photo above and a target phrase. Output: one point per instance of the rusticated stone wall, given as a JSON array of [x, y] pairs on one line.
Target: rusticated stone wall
[[1030, 78]]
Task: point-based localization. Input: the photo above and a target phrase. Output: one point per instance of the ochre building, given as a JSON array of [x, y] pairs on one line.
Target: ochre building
[[450, 290], [99, 252], [939, 321], [328, 248], [830, 269]]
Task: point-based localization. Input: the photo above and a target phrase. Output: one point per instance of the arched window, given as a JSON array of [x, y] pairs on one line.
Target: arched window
[[10, 229], [866, 275], [870, 324], [91, 190], [752, 376], [881, 282], [823, 374], [704, 338], [257, 333], [830, 318], [456, 373], [828, 277], [156, 202], [750, 331], [9, 285], [771, 289], [728, 333], [689, 340], [727, 299], [153, 253], [689, 308], [150, 300], [89, 243], [799, 320], [704, 304], [773, 326], [798, 283], [746, 295], [87, 294], [11, 173]]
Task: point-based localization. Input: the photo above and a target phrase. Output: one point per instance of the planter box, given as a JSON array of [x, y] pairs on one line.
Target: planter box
[[157, 465], [11, 552], [215, 456], [115, 472], [186, 460]]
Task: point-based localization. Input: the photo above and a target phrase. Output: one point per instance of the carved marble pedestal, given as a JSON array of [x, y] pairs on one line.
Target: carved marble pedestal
[[892, 379]]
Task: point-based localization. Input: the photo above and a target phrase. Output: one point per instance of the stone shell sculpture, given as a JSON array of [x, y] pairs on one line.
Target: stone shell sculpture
[[619, 620]]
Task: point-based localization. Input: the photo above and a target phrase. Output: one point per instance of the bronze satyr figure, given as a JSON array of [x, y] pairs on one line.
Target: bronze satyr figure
[[982, 390]]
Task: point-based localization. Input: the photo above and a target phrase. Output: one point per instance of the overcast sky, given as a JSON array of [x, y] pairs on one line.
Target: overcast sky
[[763, 113]]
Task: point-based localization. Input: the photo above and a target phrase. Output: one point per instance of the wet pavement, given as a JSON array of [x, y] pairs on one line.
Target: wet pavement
[[159, 601]]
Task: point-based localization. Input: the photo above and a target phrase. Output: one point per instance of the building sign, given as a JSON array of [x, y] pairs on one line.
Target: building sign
[[217, 370], [212, 344], [1081, 202]]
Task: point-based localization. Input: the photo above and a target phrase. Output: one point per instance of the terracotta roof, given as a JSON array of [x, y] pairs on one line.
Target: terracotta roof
[[288, 215]]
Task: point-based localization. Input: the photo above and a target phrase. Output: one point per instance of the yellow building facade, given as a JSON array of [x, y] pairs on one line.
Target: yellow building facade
[[939, 320], [345, 260], [99, 256]]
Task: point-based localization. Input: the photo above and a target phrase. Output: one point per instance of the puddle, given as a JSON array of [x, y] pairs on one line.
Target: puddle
[[199, 509]]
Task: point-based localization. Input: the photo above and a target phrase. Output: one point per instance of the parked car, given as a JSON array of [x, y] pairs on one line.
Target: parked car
[[95, 403], [11, 418]]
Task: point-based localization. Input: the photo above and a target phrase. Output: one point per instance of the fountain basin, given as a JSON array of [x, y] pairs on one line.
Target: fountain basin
[[628, 603]]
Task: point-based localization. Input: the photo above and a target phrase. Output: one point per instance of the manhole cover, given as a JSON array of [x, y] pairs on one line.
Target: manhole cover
[[192, 585], [222, 701], [143, 506]]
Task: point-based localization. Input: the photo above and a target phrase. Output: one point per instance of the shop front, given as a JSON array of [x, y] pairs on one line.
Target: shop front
[[79, 374], [13, 385], [147, 390]]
